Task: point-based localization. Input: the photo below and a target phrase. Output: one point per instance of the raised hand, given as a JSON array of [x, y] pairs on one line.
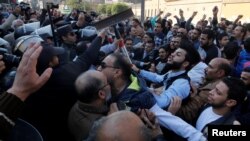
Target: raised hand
[[215, 10], [27, 80]]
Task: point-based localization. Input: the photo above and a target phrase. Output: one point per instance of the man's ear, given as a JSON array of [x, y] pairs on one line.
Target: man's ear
[[185, 64], [101, 94], [118, 73], [231, 103]]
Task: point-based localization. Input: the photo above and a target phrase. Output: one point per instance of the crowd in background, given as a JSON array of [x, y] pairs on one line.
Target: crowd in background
[[174, 76]]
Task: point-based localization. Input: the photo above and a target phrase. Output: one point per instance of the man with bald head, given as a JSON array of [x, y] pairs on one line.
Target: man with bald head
[[116, 127], [93, 92], [217, 69]]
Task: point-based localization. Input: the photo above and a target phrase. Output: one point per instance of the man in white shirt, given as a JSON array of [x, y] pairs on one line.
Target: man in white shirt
[[226, 95]]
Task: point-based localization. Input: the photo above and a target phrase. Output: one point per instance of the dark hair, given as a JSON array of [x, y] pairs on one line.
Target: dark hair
[[169, 24], [197, 29], [243, 30], [247, 27], [123, 64], [137, 21], [192, 56], [128, 39], [247, 44], [147, 24], [159, 22], [221, 35], [231, 50], [151, 42], [151, 35], [246, 69], [121, 30], [226, 67], [209, 33], [236, 89], [164, 48]]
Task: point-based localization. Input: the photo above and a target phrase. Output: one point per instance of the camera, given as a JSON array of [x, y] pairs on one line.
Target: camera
[[52, 5], [9, 59], [24, 6]]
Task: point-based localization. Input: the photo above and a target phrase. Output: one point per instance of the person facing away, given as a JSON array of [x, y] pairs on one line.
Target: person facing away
[[116, 127], [93, 92]]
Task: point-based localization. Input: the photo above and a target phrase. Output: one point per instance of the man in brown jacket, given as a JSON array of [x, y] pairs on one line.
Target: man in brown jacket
[[93, 93], [216, 70]]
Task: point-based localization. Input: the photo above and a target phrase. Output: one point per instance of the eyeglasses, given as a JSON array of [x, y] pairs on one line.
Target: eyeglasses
[[102, 87], [103, 65]]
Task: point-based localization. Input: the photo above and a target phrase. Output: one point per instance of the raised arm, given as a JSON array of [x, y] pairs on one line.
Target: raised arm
[[7, 24], [189, 21], [26, 82]]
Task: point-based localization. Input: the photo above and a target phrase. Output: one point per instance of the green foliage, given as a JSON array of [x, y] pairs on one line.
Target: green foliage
[[102, 8], [79, 5], [109, 9], [118, 7], [72, 3], [132, 1]]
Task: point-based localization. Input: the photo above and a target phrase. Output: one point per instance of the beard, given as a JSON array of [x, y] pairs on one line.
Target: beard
[[108, 97], [175, 65], [218, 106]]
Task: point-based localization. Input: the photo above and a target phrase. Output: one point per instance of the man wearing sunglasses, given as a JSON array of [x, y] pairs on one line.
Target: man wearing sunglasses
[[68, 38], [130, 93]]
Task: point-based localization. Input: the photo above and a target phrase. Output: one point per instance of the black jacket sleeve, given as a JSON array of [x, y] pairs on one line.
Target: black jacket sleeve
[[10, 108], [66, 74]]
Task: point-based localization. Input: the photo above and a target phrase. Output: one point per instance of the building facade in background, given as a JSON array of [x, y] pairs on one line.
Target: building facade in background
[[229, 9]]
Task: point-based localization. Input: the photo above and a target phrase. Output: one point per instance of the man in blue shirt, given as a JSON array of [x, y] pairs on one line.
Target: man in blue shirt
[[175, 82], [130, 93]]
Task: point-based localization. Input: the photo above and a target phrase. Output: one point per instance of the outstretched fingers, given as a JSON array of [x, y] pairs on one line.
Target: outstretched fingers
[[27, 54], [44, 77], [31, 64]]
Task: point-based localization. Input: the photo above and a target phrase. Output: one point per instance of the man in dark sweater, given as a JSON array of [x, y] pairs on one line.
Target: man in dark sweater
[[26, 82], [48, 108], [206, 40]]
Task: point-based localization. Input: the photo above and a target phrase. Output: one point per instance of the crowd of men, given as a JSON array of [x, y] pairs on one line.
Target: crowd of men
[[168, 81]]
